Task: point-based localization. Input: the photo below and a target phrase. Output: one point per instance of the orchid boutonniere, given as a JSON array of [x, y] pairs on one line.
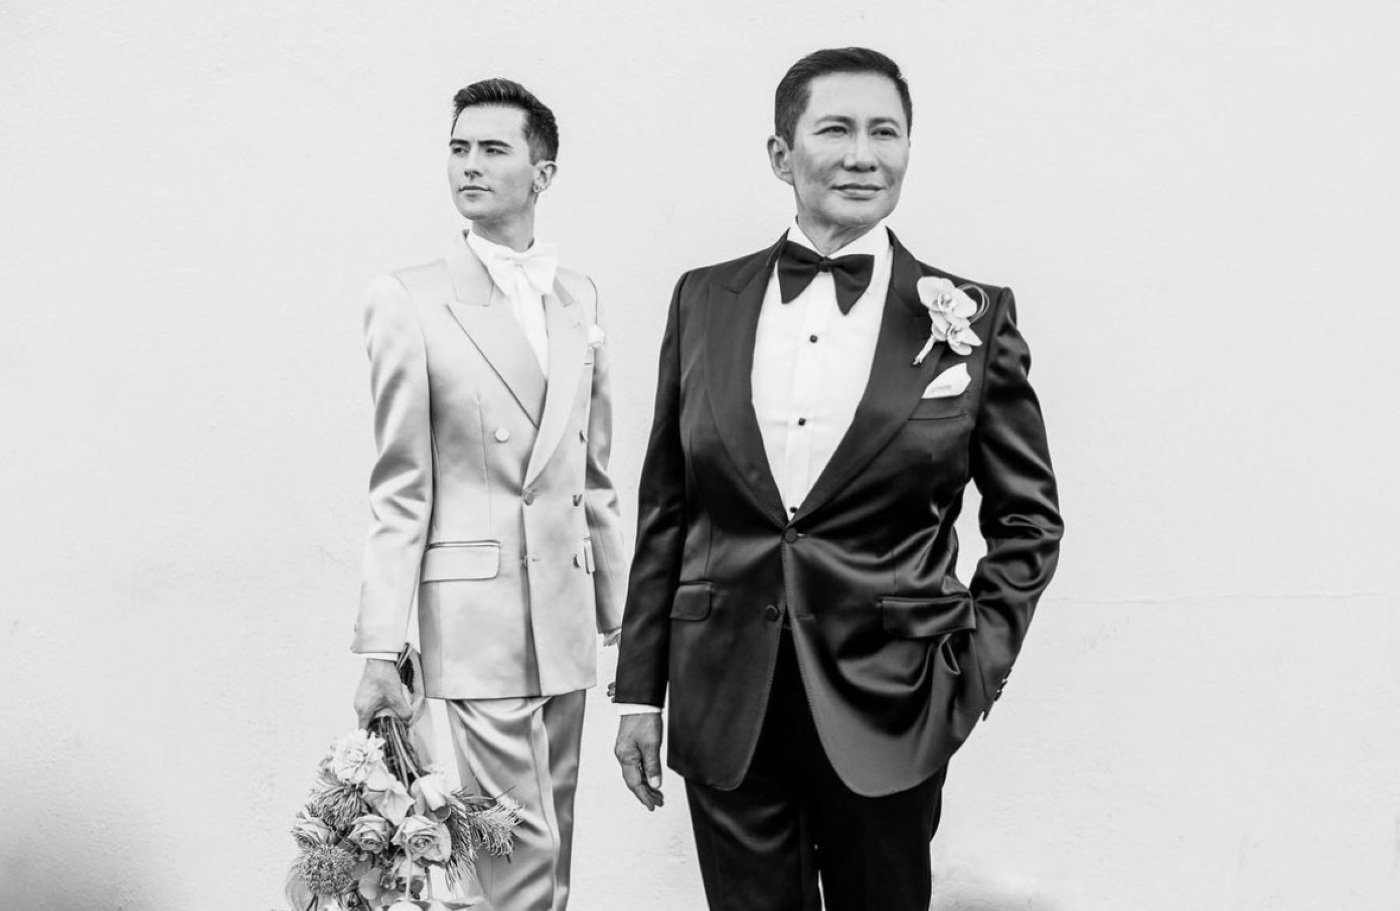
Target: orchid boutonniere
[[951, 313]]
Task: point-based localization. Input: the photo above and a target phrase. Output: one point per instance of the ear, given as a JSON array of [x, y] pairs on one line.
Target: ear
[[544, 176], [780, 158]]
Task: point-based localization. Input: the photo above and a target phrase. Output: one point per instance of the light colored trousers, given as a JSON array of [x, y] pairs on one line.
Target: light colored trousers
[[526, 748]]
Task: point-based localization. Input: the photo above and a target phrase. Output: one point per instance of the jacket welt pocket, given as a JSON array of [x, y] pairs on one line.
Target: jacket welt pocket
[[692, 601], [450, 560], [953, 406]]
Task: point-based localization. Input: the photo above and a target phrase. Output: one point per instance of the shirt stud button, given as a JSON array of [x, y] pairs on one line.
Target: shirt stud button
[[529, 497], [812, 339], [502, 435], [771, 612]]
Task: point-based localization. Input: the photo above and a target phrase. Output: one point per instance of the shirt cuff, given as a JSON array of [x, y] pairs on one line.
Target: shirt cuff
[[632, 708]]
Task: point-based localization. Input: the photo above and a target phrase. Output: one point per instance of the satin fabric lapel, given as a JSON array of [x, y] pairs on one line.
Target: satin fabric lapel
[[895, 385], [567, 342], [731, 325], [485, 315]]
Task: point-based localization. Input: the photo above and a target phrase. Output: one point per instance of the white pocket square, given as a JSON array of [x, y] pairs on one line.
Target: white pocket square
[[949, 383]]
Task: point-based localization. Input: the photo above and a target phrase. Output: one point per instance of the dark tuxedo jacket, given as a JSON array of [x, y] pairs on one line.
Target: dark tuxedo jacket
[[898, 657]]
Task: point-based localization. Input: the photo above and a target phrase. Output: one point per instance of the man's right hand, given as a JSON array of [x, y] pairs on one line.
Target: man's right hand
[[638, 751], [381, 690]]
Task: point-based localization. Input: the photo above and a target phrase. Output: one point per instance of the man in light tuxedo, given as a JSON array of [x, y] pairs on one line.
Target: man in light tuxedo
[[490, 498], [821, 406]]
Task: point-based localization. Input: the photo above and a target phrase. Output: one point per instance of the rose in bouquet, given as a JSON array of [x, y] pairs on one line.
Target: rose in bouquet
[[376, 822]]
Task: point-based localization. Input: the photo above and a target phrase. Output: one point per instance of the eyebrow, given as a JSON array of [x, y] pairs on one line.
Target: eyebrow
[[849, 121], [497, 143]]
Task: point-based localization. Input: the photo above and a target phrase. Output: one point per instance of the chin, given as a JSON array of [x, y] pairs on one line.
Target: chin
[[860, 218], [472, 213]]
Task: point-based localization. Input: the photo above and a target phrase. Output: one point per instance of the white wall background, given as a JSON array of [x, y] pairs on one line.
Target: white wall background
[[1196, 203]]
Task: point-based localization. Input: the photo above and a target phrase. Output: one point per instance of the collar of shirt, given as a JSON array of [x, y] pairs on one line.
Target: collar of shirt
[[876, 241], [537, 264]]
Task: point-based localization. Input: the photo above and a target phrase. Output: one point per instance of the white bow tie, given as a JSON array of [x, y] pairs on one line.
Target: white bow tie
[[537, 264]]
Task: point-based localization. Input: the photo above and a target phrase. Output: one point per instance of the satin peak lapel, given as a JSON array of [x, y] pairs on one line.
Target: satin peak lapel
[[731, 326], [568, 340], [895, 386], [485, 315]]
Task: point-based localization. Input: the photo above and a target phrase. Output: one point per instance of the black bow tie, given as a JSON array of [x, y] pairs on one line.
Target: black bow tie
[[798, 265]]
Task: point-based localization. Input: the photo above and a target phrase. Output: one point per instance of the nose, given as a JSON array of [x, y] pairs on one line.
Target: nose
[[471, 162], [861, 154]]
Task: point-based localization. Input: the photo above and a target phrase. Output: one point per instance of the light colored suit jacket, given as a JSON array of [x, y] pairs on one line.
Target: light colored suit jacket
[[490, 498]]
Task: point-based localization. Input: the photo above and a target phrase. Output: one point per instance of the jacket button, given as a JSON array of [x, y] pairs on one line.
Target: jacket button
[[529, 497], [791, 535], [502, 435], [771, 612]]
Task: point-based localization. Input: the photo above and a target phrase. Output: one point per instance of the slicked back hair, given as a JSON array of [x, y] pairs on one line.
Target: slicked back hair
[[541, 132], [795, 89]]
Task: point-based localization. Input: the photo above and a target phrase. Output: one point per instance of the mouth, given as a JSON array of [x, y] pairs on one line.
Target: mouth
[[472, 188], [859, 190]]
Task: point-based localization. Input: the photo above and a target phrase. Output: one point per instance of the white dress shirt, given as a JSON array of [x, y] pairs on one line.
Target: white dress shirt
[[811, 364], [523, 278]]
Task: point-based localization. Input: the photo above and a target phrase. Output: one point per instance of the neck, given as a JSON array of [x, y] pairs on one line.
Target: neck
[[516, 232], [827, 237]]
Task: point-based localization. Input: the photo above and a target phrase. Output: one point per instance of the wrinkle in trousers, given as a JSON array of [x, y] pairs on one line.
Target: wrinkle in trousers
[[793, 837], [526, 748]]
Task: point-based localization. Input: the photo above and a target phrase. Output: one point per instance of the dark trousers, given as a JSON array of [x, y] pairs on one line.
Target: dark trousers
[[765, 845]]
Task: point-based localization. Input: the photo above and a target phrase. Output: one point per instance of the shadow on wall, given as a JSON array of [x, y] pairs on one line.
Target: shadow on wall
[[963, 887]]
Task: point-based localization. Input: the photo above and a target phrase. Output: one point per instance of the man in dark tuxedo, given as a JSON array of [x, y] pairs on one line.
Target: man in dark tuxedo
[[821, 407]]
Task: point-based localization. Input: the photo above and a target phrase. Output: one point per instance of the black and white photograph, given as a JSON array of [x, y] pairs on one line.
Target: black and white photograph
[[798, 456]]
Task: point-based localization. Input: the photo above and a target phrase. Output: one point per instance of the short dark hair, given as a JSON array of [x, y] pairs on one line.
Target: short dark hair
[[541, 132], [795, 89]]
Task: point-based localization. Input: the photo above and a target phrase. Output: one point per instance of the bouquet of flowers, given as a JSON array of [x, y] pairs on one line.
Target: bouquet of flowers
[[377, 822]]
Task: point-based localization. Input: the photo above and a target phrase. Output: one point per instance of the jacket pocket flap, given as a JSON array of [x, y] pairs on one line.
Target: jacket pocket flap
[[461, 560], [692, 601], [915, 618]]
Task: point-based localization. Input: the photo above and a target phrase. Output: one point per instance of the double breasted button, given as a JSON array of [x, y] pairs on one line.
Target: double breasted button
[[791, 535], [528, 497], [502, 435], [772, 612]]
